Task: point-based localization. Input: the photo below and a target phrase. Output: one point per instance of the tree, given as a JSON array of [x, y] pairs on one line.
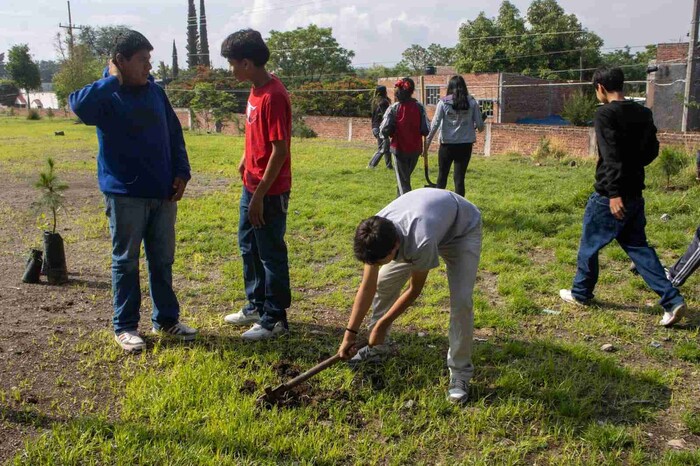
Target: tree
[[634, 64], [342, 98], [416, 58], [22, 70], [2, 66], [100, 40], [220, 105], [579, 109], [8, 92], [164, 73], [203, 37], [175, 67], [76, 72], [47, 68], [307, 54], [546, 40], [192, 37]]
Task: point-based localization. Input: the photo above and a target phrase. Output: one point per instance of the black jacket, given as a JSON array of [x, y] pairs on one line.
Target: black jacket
[[378, 112], [627, 142]]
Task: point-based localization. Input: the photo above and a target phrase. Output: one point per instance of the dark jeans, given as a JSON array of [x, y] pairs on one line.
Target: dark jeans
[[404, 164], [599, 229], [265, 262], [688, 263], [460, 154], [382, 149], [131, 221]]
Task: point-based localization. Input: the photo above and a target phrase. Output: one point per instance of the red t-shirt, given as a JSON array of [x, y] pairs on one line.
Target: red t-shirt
[[268, 118]]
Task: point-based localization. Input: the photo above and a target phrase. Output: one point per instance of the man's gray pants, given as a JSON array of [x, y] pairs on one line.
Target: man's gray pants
[[404, 164], [461, 257]]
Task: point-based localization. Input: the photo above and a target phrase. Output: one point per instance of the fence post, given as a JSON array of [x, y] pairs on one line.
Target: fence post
[[592, 143], [487, 140], [349, 129]]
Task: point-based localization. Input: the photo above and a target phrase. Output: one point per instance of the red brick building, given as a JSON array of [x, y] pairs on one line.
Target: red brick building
[[505, 97]]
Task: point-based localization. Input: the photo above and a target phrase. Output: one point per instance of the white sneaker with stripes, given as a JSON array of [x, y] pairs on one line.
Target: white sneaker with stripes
[[130, 341], [178, 331]]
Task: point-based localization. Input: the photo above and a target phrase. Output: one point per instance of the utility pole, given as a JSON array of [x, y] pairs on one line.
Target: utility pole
[[580, 65], [690, 71], [70, 26]]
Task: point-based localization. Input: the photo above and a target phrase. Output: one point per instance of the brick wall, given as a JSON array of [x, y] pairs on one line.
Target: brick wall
[[524, 139], [671, 52], [533, 101]]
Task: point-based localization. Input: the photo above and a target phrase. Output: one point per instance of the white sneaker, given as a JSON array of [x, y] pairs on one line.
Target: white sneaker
[[258, 332], [459, 391], [179, 331], [243, 318], [369, 355], [569, 298], [674, 316], [130, 341]]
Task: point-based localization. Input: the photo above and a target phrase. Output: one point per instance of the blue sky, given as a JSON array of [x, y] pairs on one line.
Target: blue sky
[[377, 31]]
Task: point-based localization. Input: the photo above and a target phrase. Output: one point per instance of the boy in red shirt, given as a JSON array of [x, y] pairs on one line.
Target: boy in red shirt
[[265, 169]]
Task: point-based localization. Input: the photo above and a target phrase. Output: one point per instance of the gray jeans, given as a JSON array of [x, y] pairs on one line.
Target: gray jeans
[[404, 164], [461, 257]]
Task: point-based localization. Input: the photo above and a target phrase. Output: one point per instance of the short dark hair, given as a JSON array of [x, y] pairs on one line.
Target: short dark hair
[[375, 237], [612, 79], [246, 43], [128, 43]]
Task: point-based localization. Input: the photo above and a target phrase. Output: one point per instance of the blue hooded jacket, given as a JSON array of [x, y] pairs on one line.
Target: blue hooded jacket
[[142, 148]]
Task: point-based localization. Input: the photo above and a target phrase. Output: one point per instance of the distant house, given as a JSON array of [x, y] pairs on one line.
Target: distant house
[[666, 87], [504, 97], [37, 100]]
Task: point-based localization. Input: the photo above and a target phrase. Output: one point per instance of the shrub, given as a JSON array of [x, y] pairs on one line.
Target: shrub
[[579, 108], [671, 161], [692, 422], [300, 129], [33, 115], [50, 113], [547, 150]]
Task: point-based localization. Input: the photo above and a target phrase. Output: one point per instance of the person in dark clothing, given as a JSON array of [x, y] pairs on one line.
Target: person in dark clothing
[[382, 103], [627, 142], [405, 122], [142, 169]]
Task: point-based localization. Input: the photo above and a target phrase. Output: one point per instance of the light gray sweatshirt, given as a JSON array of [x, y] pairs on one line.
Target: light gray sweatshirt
[[455, 127]]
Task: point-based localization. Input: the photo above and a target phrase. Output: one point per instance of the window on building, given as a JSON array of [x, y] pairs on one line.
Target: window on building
[[432, 95], [486, 107]]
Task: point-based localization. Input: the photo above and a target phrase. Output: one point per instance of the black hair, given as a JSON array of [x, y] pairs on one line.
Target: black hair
[[246, 44], [129, 42], [375, 237], [612, 79], [457, 88], [379, 95], [403, 89]]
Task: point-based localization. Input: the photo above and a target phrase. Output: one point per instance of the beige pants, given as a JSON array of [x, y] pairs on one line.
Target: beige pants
[[461, 257]]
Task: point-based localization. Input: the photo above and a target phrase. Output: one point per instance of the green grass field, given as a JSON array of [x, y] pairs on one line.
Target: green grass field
[[543, 392]]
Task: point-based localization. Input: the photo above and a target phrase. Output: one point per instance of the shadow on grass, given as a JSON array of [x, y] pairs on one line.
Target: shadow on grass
[[28, 417], [570, 381]]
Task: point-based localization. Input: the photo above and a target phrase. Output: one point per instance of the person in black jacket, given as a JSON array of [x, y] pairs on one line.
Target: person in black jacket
[[627, 142], [382, 103]]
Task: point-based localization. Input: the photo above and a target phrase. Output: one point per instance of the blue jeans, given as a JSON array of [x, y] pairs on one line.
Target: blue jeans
[[131, 221], [600, 227], [265, 262]]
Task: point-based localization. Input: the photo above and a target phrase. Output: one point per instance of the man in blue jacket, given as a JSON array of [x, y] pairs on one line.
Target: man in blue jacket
[[142, 168]]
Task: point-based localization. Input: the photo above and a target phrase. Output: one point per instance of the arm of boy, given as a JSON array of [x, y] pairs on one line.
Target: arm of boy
[[605, 132], [360, 307], [88, 102], [274, 165], [414, 290]]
